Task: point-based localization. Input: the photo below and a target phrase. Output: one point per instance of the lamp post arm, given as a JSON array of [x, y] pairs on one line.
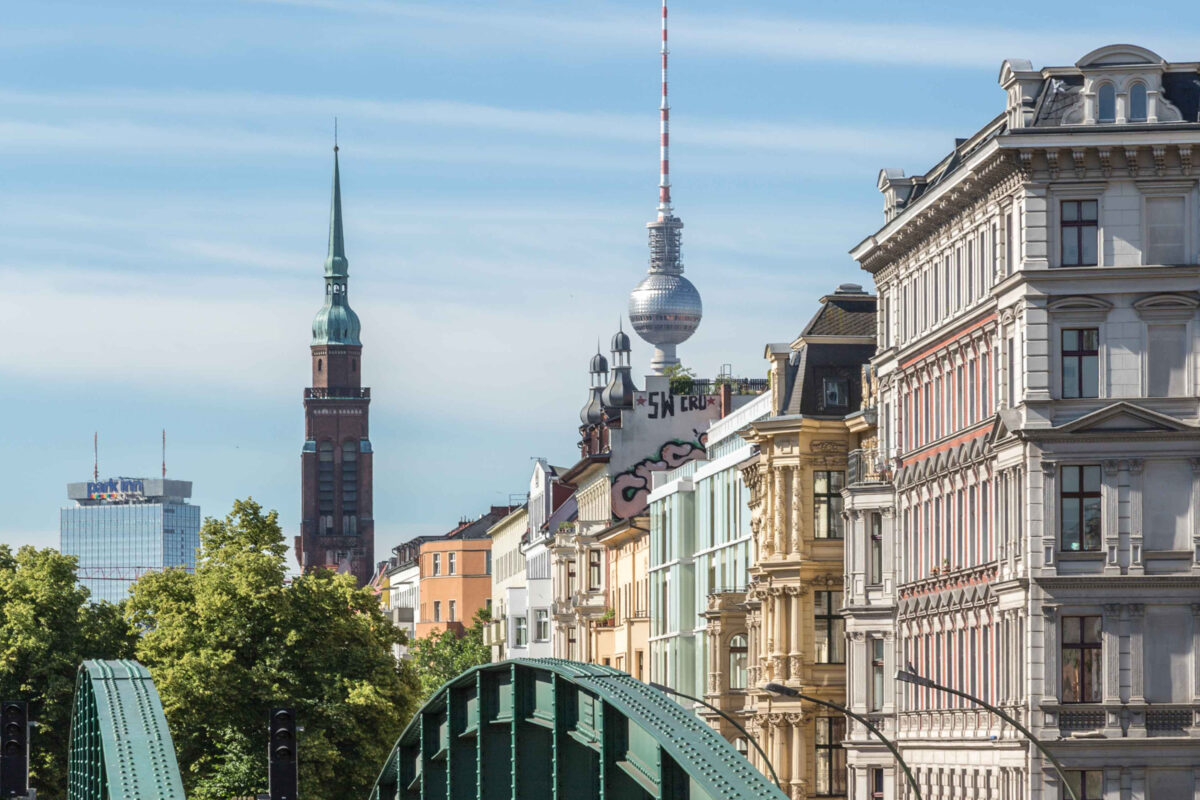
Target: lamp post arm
[[919, 680], [790, 692], [731, 721]]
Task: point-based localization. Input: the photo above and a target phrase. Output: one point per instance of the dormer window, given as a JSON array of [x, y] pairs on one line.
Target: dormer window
[[1108, 103], [1137, 103]]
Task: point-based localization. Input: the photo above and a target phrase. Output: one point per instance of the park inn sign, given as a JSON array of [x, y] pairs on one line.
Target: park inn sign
[[116, 488]]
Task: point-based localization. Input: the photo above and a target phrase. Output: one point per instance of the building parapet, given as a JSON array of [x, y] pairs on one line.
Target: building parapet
[[868, 465]]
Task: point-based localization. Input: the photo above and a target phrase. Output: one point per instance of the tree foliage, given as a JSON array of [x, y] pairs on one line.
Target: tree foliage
[[682, 378], [235, 638], [47, 627], [441, 656]]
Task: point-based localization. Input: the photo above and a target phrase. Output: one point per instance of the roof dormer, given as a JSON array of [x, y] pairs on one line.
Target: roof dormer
[[896, 189], [1122, 83], [1022, 84]]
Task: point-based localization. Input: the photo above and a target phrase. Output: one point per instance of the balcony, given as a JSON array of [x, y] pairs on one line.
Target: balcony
[[868, 465], [401, 616]]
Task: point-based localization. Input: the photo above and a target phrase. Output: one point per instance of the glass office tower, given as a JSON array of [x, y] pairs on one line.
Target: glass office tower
[[122, 528]]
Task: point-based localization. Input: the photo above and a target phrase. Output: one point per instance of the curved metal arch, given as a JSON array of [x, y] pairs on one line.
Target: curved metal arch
[[120, 747], [549, 728]]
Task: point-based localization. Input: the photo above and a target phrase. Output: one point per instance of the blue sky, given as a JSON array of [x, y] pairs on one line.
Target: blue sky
[[165, 200]]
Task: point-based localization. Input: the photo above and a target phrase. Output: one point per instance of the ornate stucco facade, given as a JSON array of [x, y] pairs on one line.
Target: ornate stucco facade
[[1040, 429], [794, 602]]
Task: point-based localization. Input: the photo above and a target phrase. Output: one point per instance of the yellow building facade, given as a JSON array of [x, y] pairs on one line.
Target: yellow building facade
[[796, 634]]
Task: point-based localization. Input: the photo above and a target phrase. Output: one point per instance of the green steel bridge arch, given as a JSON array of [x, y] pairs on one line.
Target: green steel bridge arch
[[120, 747], [548, 728]]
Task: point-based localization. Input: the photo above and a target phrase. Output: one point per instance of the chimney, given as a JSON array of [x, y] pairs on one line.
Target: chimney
[[725, 391]]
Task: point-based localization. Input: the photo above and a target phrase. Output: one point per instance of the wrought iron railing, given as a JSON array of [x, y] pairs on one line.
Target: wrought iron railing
[[868, 465]]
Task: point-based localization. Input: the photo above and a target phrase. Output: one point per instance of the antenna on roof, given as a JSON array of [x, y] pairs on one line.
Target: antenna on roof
[[164, 452], [335, 144], [96, 456]]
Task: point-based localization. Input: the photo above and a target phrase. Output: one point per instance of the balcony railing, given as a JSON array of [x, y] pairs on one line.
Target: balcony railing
[[868, 465], [337, 393]]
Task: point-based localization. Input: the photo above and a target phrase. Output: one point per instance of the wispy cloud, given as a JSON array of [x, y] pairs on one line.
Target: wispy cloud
[[745, 35]]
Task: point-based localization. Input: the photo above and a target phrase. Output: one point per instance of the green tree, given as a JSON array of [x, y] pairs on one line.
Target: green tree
[[235, 638], [47, 627], [441, 656], [682, 378]]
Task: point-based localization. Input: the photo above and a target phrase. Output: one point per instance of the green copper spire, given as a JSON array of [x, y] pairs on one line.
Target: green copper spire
[[336, 322], [336, 263]]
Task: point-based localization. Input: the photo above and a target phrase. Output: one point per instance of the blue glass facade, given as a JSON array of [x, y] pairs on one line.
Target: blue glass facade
[[119, 538]]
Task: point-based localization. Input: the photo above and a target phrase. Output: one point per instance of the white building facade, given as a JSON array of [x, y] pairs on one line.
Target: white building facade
[[1039, 431]]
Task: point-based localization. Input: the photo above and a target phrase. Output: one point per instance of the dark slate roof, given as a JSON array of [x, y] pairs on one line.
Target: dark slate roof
[[844, 315], [1183, 90], [1059, 96]]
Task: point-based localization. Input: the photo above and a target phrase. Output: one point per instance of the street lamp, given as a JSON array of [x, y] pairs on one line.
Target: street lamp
[[728, 719], [787, 691], [908, 676]]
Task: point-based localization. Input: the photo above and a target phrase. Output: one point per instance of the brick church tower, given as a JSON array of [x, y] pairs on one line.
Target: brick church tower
[[337, 528]]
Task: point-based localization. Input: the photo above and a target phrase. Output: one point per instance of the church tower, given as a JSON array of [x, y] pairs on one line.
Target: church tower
[[337, 529]]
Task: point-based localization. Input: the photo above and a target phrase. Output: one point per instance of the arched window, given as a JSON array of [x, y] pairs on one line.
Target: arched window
[[737, 662], [1108, 103], [319, 364], [1137, 103]]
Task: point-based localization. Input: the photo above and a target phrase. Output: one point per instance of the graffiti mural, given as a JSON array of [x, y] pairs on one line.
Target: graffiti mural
[[631, 487]]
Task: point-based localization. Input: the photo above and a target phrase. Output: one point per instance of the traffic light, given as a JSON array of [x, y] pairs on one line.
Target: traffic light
[[14, 748], [281, 754]]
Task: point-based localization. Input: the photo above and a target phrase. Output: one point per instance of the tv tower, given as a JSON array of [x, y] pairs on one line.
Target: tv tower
[[665, 308]]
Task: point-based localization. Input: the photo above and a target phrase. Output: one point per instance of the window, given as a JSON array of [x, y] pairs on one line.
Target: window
[[1080, 359], [437, 563], [830, 628], [453, 610], [594, 570], [541, 622], [837, 392], [1088, 785], [1164, 230], [1080, 502], [325, 487], [1137, 102], [520, 632], [487, 562], [437, 610], [1081, 660], [877, 682], [741, 745], [737, 662], [1078, 229], [831, 758], [827, 503], [641, 664], [1108, 103], [875, 567], [876, 780], [452, 564]]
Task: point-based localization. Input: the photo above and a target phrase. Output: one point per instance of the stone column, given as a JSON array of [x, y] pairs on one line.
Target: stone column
[[794, 593], [1049, 512], [1195, 520], [796, 766], [1196, 654], [1110, 638], [1111, 516], [1135, 516], [780, 499], [797, 509], [1137, 691]]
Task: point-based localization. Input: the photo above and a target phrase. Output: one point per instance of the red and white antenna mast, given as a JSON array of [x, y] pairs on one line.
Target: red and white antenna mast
[[664, 131]]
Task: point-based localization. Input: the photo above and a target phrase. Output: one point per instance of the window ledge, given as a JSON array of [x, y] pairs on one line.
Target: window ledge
[[1187, 554]]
